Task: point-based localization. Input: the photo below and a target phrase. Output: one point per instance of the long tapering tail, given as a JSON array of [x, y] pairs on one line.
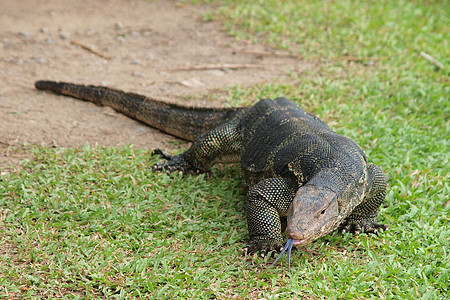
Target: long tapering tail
[[178, 120]]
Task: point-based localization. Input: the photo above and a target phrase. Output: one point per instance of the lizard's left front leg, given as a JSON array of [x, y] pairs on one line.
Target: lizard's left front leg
[[364, 216]]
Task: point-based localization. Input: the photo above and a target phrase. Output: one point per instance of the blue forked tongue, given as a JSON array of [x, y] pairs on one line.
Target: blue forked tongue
[[288, 246]]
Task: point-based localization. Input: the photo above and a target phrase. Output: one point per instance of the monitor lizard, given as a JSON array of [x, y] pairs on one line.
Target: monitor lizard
[[292, 164]]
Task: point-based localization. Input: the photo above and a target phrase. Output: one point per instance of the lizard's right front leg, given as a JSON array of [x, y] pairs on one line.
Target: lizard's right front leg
[[266, 202]]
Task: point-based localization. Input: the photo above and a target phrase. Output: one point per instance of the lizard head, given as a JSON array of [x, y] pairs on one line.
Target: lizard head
[[313, 213]]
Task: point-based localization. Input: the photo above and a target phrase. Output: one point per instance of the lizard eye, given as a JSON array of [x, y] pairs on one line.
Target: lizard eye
[[322, 212]]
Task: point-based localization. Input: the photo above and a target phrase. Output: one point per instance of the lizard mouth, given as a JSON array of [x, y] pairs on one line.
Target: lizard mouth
[[299, 242], [301, 239]]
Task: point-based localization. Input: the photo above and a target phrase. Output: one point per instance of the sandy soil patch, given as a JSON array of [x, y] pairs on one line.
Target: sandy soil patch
[[142, 43]]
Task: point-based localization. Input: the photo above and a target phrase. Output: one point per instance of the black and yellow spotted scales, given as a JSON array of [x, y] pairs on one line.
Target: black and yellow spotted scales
[[292, 164]]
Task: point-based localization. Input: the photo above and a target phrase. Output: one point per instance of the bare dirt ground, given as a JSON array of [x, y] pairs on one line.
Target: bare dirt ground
[[138, 44]]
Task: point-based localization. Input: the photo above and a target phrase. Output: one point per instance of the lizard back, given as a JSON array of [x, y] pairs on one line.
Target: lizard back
[[280, 138]]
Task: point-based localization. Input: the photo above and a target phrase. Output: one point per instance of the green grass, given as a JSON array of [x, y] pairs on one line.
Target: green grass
[[336, 28], [96, 222]]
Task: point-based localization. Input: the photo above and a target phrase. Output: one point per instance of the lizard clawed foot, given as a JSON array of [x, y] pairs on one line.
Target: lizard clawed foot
[[264, 248], [174, 164], [357, 228]]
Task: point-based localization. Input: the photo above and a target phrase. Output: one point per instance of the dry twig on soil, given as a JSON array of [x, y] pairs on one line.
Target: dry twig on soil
[[90, 49], [213, 67]]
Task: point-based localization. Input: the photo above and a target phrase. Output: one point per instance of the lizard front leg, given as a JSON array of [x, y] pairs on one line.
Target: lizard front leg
[[221, 144], [266, 203], [364, 216]]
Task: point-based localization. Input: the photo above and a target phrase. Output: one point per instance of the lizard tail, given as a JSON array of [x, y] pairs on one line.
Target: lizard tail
[[178, 120]]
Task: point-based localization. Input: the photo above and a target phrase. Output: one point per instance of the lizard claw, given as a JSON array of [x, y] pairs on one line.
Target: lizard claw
[[263, 247], [357, 228], [174, 164], [162, 154]]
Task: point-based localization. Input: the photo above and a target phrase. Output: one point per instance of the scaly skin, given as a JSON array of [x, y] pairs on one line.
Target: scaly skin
[[292, 164], [181, 121]]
